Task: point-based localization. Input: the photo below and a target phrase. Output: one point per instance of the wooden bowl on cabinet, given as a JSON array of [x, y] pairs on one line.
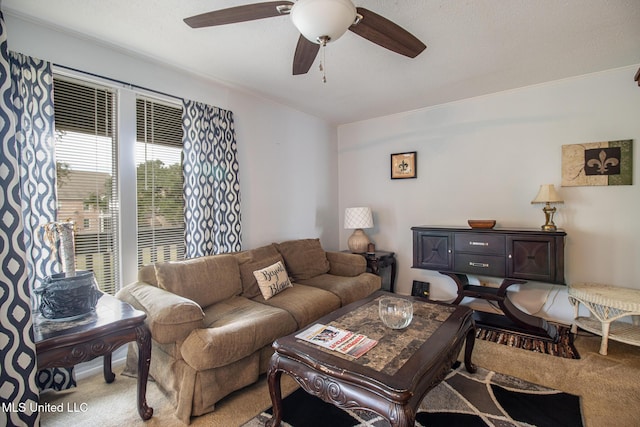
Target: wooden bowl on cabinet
[[482, 223]]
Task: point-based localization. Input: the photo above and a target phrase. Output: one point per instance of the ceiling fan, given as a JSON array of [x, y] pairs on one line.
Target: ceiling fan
[[319, 22]]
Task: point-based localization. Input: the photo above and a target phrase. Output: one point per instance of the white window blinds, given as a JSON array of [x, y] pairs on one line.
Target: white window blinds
[[86, 153], [159, 182]]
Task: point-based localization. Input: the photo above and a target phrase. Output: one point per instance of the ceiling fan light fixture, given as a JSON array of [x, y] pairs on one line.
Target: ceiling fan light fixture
[[323, 19]]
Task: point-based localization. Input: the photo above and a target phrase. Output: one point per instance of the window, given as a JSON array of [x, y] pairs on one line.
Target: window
[[86, 149], [160, 198], [87, 174]]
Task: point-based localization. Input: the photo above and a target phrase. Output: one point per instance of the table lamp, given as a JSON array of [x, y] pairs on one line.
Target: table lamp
[[547, 195], [358, 218]]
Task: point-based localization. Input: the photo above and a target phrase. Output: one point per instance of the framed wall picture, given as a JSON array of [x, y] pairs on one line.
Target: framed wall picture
[[597, 163], [404, 165]]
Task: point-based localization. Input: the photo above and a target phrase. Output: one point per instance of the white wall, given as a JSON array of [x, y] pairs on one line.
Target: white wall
[[478, 158], [484, 158], [288, 159]]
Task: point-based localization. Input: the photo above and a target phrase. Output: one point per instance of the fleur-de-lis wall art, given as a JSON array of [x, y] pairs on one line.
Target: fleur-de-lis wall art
[[404, 165], [602, 161], [597, 163]]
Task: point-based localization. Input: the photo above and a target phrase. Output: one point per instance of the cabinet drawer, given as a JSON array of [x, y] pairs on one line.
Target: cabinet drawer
[[484, 265], [480, 243]]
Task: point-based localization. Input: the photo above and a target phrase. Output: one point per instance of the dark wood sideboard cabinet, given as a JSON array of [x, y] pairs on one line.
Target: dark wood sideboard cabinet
[[515, 255]]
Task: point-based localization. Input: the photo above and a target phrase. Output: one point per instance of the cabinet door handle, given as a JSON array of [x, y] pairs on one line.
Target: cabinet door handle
[[478, 264], [472, 243]]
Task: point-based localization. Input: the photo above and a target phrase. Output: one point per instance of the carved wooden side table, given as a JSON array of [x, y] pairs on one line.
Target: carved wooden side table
[[64, 344], [607, 305]]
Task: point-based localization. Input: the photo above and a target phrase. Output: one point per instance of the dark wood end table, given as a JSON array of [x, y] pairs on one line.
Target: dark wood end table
[[379, 262], [383, 264], [64, 344], [393, 377]]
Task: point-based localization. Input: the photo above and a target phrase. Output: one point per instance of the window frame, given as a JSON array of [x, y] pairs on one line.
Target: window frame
[[126, 96]]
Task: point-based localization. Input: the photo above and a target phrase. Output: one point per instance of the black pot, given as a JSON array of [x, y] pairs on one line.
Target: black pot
[[63, 297]]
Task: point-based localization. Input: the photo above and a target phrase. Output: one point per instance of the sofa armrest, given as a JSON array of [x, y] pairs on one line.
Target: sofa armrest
[[170, 317], [346, 264]]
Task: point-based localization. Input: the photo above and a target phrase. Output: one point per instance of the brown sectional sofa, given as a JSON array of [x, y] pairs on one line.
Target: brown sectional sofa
[[212, 328]]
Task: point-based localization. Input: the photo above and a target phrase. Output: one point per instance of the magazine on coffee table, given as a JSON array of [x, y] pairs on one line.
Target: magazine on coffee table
[[336, 339]]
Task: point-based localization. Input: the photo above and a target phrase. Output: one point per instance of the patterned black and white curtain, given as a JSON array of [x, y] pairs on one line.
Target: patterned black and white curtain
[[33, 107], [211, 185], [32, 102], [18, 356]]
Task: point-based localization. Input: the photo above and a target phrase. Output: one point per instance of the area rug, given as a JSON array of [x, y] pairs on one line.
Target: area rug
[[485, 398], [563, 348]]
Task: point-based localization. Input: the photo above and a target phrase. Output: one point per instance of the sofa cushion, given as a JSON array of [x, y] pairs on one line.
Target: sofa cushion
[[272, 279], [253, 260], [147, 274], [346, 264], [205, 280], [304, 258], [349, 289], [305, 303], [234, 329]]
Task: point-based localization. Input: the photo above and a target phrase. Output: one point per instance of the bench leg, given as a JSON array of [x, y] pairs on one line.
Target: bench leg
[[576, 310], [605, 338]]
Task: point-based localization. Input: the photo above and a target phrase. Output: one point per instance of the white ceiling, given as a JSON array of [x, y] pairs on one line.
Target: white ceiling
[[474, 47]]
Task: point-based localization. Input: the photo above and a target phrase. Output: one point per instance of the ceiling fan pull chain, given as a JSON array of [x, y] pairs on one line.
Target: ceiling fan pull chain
[[323, 62]]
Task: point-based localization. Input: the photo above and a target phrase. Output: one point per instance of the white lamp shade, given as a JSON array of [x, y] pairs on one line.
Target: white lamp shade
[[318, 18], [358, 218], [547, 194]]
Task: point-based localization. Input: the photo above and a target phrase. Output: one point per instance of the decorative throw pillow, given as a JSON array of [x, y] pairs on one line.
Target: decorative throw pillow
[[272, 280], [304, 258], [252, 260]]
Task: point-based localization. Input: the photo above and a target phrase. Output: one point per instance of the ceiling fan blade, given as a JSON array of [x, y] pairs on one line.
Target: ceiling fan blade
[[306, 53], [248, 12], [387, 34]]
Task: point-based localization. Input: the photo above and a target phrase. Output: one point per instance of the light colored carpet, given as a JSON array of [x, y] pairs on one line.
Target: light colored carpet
[[608, 385]]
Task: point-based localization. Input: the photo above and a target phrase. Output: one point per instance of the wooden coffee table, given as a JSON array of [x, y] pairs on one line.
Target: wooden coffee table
[[63, 344], [393, 377]]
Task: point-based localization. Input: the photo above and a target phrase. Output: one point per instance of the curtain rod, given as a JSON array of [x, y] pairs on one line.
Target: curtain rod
[[123, 83]]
